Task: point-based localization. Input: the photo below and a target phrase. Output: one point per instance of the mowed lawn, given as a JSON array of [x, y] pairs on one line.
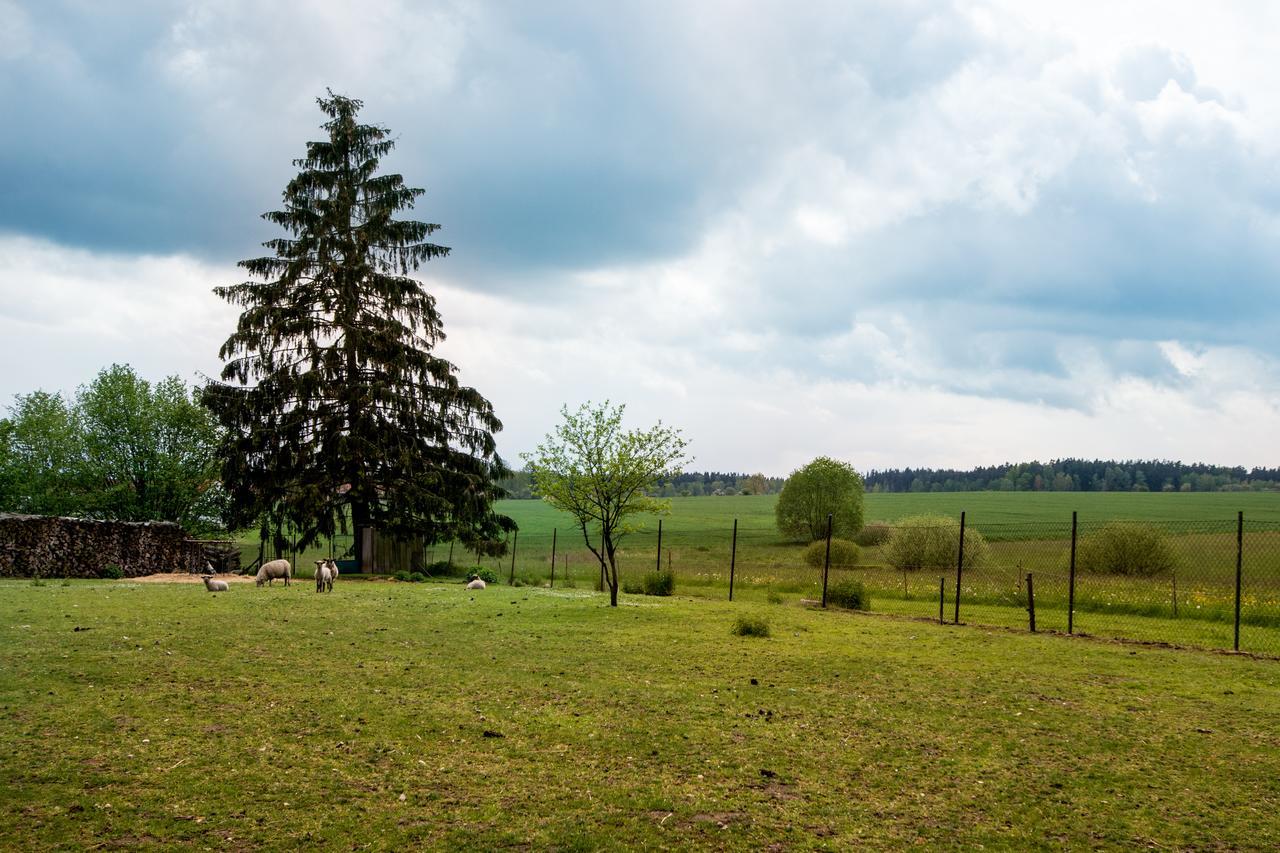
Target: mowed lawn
[[395, 715]]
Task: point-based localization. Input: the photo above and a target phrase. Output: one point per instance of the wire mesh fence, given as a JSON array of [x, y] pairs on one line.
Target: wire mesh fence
[[1209, 584], [1170, 582]]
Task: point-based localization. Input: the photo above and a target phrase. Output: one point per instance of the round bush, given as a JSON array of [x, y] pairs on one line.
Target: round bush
[[931, 542], [849, 594], [751, 626], [486, 575], [1125, 548], [873, 535], [659, 583], [111, 572], [844, 554]]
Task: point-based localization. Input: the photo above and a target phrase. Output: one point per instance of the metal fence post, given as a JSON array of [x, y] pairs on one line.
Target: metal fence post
[[1239, 568], [733, 557], [1031, 602], [1071, 579], [826, 563], [515, 539], [659, 544], [942, 599], [553, 558], [959, 568]]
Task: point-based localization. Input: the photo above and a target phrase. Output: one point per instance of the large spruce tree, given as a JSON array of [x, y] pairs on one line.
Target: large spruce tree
[[336, 408]]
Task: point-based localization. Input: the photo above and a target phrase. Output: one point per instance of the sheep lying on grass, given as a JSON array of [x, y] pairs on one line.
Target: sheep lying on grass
[[475, 582], [326, 571], [213, 585], [274, 569]]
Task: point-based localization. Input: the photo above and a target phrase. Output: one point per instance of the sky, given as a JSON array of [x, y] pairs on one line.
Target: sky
[[927, 234]]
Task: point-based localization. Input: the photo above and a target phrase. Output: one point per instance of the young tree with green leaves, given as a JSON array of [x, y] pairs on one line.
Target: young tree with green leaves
[[823, 487], [590, 468], [335, 406]]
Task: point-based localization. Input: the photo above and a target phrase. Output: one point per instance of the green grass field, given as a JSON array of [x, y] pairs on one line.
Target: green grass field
[[397, 716], [1029, 532]]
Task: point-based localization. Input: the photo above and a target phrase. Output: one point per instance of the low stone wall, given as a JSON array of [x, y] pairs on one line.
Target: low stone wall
[[41, 546]]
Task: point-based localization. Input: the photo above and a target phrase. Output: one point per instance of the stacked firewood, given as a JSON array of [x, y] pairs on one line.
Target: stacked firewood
[[42, 546]]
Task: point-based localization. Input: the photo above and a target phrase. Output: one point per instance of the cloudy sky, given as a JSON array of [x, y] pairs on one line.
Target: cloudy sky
[[898, 233]]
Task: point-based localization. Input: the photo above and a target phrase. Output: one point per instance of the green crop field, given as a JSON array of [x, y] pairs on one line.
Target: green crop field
[[982, 508], [393, 716]]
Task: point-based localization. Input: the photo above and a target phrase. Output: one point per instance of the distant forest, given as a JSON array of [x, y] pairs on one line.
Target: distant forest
[[1078, 475], [1061, 475]]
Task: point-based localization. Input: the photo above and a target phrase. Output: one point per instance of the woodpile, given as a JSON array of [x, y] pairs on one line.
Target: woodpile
[[42, 546]]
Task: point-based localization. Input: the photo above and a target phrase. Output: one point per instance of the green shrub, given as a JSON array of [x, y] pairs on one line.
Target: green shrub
[[931, 542], [417, 577], [1125, 548], [844, 554], [486, 575], [659, 583], [775, 597], [751, 626], [111, 571], [402, 575], [441, 567], [849, 594], [632, 587], [873, 535]]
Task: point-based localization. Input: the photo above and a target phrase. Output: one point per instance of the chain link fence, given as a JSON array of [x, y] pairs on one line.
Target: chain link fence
[[1162, 582]]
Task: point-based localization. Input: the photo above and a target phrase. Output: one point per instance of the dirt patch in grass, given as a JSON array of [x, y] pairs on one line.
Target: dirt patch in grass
[[186, 577]]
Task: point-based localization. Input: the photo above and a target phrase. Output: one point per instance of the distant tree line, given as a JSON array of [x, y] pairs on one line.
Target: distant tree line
[[1078, 475], [1059, 475], [689, 484]]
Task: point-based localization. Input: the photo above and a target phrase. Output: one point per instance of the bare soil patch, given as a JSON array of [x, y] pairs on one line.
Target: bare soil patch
[[186, 577]]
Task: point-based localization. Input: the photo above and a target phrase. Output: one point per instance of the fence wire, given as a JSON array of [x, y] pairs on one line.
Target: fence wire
[[1169, 582]]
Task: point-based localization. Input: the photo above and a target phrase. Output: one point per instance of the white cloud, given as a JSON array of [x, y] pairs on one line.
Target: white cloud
[[925, 234]]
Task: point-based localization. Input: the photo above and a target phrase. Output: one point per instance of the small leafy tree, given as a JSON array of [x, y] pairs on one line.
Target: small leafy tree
[[933, 542], [823, 487], [593, 470], [1125, 548]]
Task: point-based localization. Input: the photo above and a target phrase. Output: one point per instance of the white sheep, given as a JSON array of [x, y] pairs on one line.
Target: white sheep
[[213, 585], [325, 572], [475, 582], [274, 569]]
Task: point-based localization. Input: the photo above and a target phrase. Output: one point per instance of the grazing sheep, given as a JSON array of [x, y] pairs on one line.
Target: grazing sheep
[[275, 569], [325, 570], [213, 585], [475, 582]]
